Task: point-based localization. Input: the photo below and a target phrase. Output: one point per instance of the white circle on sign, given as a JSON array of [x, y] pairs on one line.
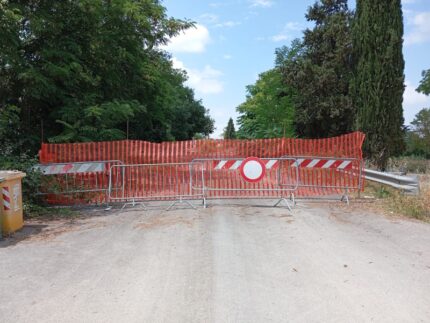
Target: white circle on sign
[[252, 169]]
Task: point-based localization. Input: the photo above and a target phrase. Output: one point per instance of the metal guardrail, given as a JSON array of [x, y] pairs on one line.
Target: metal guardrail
[[407, 184]]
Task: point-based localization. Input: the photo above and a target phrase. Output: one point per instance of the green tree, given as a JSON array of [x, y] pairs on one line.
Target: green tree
[[418, 139], [378, 84], [268, 111], [230, 131], [425, 83], [321, 70], [84, 70]]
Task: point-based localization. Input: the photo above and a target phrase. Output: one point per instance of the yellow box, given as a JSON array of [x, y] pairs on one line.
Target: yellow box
[[11, 201]]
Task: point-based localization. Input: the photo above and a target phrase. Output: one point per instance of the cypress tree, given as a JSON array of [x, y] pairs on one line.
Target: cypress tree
[[229, 131], [378, 83]]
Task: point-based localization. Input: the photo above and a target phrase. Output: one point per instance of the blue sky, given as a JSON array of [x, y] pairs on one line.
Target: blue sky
[[235, 40]]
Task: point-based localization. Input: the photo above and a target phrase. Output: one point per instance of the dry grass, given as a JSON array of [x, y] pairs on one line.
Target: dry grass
[[392, 201], [409, 165]]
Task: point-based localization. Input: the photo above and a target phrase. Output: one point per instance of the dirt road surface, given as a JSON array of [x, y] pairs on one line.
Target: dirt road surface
[[236, 263]]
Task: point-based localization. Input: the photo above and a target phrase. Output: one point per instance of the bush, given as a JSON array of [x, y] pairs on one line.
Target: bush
[[32, 203], [417, 165]]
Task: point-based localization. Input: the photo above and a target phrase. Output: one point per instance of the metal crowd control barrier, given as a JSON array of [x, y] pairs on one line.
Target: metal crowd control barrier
[[210, 178], [202, 178], [222, 179], [77, 182], [318, 174], [142, 183]]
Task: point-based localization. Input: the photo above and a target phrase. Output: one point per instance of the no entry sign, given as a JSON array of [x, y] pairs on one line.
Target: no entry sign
[[252, 169]]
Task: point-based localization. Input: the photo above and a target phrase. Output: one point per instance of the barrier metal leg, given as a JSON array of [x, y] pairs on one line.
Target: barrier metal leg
[[345, 197], [181, 201], [293, 199], [283, 199], [134, 203]]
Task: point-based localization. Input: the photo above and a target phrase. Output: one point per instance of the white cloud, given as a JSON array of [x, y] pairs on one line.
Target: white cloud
[[287, 31], [420, 29], [293, 26], [208, 18], [214, 20], [413, 102], [261, 3], [205, 81], [215, 4], [227, 56], [280, 37], [228, 24], [193, 40]]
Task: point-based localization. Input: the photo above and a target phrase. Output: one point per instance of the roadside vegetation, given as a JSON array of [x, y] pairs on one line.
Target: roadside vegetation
[[95, 70], [327, 83], [89, 70], [393, 202]]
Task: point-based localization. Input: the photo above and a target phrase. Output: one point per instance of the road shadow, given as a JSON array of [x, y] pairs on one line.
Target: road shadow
[[47, 227], [26, 233]]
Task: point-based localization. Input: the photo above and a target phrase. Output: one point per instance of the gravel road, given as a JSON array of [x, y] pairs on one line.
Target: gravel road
[[323, 263]]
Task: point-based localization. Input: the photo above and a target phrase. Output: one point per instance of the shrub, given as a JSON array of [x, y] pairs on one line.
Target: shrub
[[32, 203], [417, 165]]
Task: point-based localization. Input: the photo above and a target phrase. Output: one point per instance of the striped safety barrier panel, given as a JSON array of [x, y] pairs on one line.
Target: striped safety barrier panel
[[235, 164], [301, 162], [6, 198], [323, 163], [72, 168]]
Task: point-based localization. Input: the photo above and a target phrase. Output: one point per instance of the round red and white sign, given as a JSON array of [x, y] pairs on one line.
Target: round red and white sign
[[252, 169]]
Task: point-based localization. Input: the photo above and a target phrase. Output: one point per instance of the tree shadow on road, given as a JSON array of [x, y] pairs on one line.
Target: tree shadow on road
[[26, 233], [49, 226]]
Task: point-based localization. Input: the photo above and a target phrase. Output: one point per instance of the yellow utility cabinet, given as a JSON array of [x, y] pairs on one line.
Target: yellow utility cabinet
[[11, 216]]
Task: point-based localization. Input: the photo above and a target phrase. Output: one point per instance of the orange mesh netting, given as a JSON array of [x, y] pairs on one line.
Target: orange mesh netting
[[312, 180]]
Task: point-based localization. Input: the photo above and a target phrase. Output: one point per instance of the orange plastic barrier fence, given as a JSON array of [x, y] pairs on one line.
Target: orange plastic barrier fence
[[314, 180]]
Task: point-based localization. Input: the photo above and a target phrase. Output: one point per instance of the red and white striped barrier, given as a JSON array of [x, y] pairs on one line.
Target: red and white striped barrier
[[235, 164], [340, 164], [72, 168], [6, 198], [323, 163]]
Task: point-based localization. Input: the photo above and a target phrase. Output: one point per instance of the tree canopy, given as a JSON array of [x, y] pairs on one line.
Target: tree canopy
[[85, 69], [268, 111], [321, 72], [424, 86], [345, 74], [418, 138]]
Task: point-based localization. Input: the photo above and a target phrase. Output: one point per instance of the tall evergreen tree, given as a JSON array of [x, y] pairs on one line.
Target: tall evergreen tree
[[321, 72], [378, 84], [230, 131]]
